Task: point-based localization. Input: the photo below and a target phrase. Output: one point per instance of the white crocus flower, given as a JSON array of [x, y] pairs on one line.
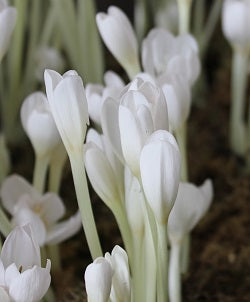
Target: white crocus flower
[[164, 53], [160, 173], [68, 106], [118, 260], [7, 22], [178, 97], [96, 94], [39, 124], [104, 169], [22, 279], [119, 36], [191, 204], [236, 23], [43, 212], [141, 111], [47, 58], [98, 280]]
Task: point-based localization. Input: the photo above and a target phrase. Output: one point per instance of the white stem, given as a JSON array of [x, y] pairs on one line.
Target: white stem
[[82, 193], [184, 7], [174, 274], [181, 136], [185, 253], [138, 269], [162, 258], [238, 102], [40, 170]]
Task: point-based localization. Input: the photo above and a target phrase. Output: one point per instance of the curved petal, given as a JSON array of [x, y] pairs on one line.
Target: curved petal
[[4, 297], [53, 208], [64, 230], [31, 285], [11, 273], [13, 188], [2, 272]]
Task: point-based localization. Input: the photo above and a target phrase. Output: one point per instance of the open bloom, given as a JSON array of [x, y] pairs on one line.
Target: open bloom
[[96, 94], [163, 53], [119, 36], [43, 212], [160, 173], [68, 106], [22, 279], [236, 23], [191, 204], [141, 110], [7, 23], [39, 124]]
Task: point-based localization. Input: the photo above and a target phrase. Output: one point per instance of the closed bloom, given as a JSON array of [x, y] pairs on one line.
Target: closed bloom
[[236, 23], [191, 204], [7, 23], [68, 106], [160, 173], [119, 36], [22, 278], [104, 169], [141, 111], [118, 260], [39, 124], [98, 280], [164, 53], [42, 212], [96, 94]]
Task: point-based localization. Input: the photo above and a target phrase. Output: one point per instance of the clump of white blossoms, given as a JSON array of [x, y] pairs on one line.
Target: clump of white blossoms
[[22, 279]]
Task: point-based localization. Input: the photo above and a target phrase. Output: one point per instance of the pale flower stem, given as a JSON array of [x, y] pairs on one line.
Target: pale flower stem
[[162, 262], [54, 255], [40, 170], [185, 253], [124, 228], [181, 136], [239, 82], [55, 174], [82, 193], [133, 70], [138, 269], [199, 16], [50, 295], [184, 7], [5, 225], [174, 274]]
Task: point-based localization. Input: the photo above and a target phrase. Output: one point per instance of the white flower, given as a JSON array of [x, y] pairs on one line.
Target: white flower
[[22, 279], [191, 204], [26, 205], [236, 22], [68, 106], [47, 58], [118, 260], [104, 170], [96, 94], [39, 124], [119, 36], [160, 173], [141, 111], [98, 278], [178, 97], [7, 22], [163, 53]]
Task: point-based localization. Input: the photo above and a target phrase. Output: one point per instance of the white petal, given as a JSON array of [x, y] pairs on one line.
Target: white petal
[[13, 188], [21, 249], [31, 285], [53, 208], [4, 297], [113, 79], [98, 276], [51, 79], [11, 273], [2, 272], [64, 230]]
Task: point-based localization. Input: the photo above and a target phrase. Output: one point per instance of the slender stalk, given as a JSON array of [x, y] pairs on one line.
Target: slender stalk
[[54, 255], [185, 253], [238, 102], [50, 295], [181, 136], [162, 268], [174, 274], [132, 70], [199, 15], [138, 269], [5, 225], [82, 193], [184, 7], [40, 170]]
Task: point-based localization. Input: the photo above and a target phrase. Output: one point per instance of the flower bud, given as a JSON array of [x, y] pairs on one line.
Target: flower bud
[[160, 173], [98, 278], [118, 35]]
